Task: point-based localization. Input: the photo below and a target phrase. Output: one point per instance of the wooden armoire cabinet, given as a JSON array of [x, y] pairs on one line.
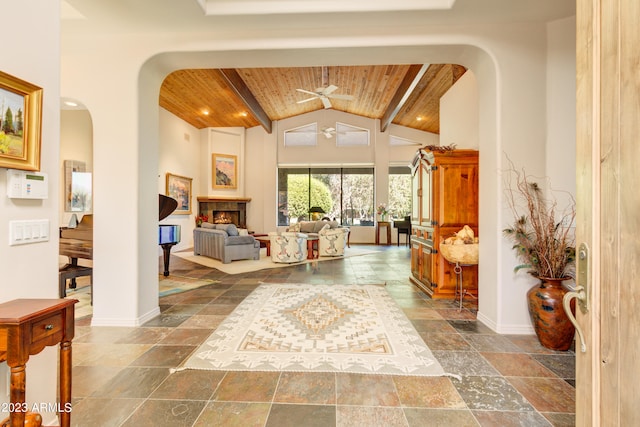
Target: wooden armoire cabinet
[[444, 200]]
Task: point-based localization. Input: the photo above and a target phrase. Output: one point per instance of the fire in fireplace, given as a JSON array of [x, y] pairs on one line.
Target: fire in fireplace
[[225, 218]]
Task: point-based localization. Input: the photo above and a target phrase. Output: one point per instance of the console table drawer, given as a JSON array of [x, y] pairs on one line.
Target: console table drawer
[[50, 326]]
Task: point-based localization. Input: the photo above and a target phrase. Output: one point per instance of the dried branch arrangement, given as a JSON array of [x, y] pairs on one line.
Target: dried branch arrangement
[[545, 247], [440, 148]]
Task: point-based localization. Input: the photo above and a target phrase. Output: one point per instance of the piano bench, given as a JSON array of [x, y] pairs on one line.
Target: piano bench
[[71, 272]]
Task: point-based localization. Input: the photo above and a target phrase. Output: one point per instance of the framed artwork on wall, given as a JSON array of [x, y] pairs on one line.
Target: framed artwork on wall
[[20, 123], [179, 188], [225, 171]]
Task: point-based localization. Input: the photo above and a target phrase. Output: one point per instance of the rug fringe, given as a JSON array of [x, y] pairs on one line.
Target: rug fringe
[[174, 370], [456, 376]]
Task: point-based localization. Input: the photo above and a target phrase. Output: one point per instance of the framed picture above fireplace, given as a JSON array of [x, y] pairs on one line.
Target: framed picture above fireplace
[[225, 171], [179, 188]]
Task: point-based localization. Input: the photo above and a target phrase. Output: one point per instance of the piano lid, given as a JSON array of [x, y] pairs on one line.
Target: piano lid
[[166, 206]]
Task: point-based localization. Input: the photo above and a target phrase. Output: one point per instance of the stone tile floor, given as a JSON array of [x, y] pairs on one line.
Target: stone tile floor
[[121, 375]]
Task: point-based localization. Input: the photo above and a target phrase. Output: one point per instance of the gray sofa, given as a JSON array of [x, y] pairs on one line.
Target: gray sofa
[[224, 242], [313, 228]]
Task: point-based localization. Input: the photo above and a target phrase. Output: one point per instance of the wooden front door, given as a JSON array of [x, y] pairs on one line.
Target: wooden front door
[[608, 196]]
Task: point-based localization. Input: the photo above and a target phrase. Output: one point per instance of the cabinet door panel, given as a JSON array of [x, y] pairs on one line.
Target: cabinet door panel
[[426, 187], [415, 199], [427, 274], [457, 192]]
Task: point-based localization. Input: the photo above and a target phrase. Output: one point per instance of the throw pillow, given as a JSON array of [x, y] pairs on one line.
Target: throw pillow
[[207, 225], [295, 227], [319, 225], [307, 226], [230, 229]]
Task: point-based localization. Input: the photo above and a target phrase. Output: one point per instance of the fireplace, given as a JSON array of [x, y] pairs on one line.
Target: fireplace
[[222, 210]]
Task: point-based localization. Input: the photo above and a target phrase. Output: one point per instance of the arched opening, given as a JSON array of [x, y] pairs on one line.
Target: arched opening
[[76, 204]]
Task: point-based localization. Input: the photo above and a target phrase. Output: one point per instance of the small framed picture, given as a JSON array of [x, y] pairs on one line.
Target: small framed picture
[[225, 171], [179, 188], [20, 123]]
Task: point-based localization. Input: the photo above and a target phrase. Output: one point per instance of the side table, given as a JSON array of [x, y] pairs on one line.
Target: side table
[[379, 225], [27, 326]]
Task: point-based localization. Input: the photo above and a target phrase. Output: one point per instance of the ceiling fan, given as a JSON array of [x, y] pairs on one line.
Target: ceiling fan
[[325, 92]]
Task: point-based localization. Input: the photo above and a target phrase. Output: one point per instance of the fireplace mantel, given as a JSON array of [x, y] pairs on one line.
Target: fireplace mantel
[[224, 209], [208, 199]]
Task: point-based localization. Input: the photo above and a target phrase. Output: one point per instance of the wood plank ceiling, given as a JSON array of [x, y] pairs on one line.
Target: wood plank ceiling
[[407, 95]]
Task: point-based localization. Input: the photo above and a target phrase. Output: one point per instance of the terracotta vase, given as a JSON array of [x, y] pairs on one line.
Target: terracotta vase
[[552, 325]]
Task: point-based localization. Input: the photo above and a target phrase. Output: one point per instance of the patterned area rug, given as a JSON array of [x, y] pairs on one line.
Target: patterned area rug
[[317, 328], [249, 265]]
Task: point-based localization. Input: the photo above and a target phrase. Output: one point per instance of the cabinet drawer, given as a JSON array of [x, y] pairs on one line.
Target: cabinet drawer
[[46, 327]]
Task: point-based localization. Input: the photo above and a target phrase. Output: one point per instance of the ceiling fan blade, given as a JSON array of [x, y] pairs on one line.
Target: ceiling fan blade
[[325, 102], [329, 89], [307, 100], [307, 92]]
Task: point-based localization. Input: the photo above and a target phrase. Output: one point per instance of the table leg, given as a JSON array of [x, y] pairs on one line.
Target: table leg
[[74, 263], [309, 249], [65, 384], [17, 395], [267, 244]]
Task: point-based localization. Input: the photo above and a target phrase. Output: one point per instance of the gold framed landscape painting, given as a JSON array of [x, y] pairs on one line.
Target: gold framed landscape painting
[[20, 123], [225, 171], [179, 188]]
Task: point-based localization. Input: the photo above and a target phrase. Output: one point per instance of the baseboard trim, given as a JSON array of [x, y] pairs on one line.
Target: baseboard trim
[[505, 329], [96, 321]]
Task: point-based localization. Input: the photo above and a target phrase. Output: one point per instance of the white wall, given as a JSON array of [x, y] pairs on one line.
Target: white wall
[[31, 271], [180, 146], [459, 114], [561, 105]]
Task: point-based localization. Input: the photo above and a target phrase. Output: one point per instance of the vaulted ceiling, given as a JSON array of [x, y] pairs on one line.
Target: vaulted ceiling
[[406, 95]]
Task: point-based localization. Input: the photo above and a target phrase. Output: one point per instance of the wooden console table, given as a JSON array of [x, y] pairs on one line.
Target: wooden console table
[[27, 326], [379, 225]]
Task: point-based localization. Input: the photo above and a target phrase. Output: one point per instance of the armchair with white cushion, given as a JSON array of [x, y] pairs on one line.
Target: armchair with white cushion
[[332, 241], [288, 246]]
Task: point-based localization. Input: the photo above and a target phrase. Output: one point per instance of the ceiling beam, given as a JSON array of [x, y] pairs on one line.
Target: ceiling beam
[[411, 79], [240, 88]]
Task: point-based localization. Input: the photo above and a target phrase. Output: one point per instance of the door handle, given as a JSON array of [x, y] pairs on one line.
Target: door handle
[[581, 292]]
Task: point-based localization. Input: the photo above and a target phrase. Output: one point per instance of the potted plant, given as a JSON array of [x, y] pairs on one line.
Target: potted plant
[[382, 211], [200, 219], [544, 241]]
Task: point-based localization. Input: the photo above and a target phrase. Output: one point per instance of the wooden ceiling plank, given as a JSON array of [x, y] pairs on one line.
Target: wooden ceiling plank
[[240, 88], [410, 80]]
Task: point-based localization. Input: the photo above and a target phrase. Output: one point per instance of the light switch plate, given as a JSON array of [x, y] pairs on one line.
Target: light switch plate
[[28, 231]]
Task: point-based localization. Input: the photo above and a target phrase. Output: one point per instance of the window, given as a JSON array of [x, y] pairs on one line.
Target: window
[[301, 136], [351, 136], [399, 191], [345, 194]]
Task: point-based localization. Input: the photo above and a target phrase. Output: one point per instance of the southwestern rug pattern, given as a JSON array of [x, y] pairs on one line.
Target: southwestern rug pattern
[[317, 328]]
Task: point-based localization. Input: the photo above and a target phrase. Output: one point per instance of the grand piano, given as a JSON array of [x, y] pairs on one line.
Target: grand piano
[[75, 243], [168, 235]]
